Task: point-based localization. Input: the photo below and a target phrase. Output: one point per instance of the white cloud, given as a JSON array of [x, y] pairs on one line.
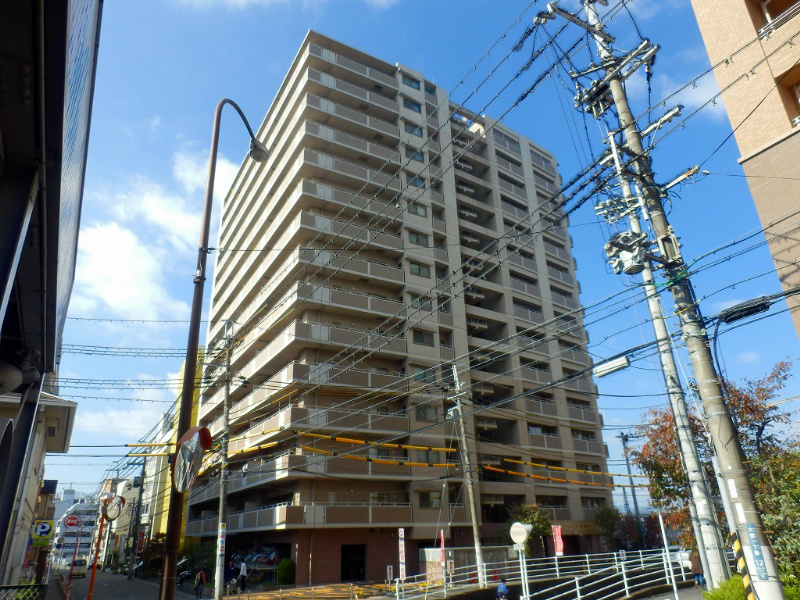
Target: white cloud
[[135, 421], [693, 96], [191, 171], [121, 275], [749, 357], [153, 124]]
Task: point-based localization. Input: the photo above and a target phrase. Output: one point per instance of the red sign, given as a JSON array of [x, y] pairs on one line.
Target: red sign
[[72, 521], [557, 540]]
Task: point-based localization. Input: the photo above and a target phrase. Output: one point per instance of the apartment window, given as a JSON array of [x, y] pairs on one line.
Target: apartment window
[[384, 453], [588, 502], [424, 374], [430, 499], [446, 340], [418, 209], [430, 89], [426, 413], [416, 181], [417, 238], [553, 501], [411, 105], [383, 410], [548, 430], [427, 456], [413, 129], [410, 82], [424, 338], [420, 270], [414, 154], [421, 302], [380, 498], [594, 468], [586, 436]]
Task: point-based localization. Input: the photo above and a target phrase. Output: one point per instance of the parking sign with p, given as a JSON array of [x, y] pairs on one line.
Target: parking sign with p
[[42, 530]]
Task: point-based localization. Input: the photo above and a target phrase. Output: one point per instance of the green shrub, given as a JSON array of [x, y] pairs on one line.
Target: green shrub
[[733, 589], [286, 571], [792, 593]]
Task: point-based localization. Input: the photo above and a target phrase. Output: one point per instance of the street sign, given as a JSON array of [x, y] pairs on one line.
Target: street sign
[[72, 521], [189, 457], [520, 531], [42, 529]]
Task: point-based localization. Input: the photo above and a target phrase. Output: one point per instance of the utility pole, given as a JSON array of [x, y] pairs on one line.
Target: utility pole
[[458, 412], [624, 437], [135, 533], [608, 91], [219, 576], [706, 530]]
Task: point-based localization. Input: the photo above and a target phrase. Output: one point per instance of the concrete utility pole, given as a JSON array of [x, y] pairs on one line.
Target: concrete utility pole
[[624, 437], [219, 577], [706, 530], [466, 465], [726, 443]]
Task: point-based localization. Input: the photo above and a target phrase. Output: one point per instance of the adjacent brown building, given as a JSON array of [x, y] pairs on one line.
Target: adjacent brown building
[[755, 45]]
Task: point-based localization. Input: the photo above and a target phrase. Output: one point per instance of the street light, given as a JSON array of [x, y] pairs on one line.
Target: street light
[[259, 153]]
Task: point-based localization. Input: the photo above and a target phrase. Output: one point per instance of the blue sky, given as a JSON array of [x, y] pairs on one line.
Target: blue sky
[[164, 65]]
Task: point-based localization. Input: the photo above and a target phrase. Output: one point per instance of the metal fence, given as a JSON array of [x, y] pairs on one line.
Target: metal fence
[[599, 576], [23, 592]]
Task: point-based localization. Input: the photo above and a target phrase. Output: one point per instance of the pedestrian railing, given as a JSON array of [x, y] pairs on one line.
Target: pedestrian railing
[[22, 592], [601, 576]]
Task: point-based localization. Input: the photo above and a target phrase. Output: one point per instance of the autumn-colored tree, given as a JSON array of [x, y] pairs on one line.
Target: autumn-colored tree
[[541, 526], [768, 449]]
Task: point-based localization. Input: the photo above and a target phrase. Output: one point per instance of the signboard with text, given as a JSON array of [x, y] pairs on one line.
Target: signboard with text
[[558, 541], [401, 537]]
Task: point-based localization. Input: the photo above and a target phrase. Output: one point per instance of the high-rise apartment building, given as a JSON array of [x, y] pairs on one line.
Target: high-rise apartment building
[[755, 47], [392, 235]]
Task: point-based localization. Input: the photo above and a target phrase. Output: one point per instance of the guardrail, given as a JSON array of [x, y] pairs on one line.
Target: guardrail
[[29, 591]]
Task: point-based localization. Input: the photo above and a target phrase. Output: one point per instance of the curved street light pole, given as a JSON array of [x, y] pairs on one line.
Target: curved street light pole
[[259, 153]]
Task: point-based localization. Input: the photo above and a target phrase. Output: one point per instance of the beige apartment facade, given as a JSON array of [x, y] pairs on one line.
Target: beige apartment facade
[[755, 47], [389, 237]]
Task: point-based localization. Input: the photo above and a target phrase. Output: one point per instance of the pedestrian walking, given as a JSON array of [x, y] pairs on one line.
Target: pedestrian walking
[[243, 577], [199, 583], [697, 569]]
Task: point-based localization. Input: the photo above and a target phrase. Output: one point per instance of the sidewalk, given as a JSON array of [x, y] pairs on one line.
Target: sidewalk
[[688, 593]]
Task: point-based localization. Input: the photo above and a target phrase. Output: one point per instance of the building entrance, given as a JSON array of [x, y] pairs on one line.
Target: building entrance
[[354, 562]]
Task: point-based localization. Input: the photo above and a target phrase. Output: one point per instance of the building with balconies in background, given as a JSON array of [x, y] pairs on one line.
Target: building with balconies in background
[[391, 236]]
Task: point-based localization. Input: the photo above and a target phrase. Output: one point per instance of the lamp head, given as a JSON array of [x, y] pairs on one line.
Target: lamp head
[[258, 151]]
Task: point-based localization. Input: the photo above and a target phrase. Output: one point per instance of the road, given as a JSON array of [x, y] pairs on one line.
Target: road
[[117, 587]]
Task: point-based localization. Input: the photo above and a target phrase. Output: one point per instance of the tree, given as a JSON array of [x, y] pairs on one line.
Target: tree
[[609, 519], [771, 453], [541, 525]]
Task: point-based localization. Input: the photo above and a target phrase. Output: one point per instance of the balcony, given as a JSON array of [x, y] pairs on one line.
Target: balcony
[[337, 89], [336, 169], [549, 442], [352, 231], [521, 285], [367, 125], [562, 276], [522, 261], [580, 384], [510, 167], [467, 213], [538, 407], [575, 355], [583, 414], [517, 190], [565, 301], [535, 375], [588, 446], [515, 211], [321, 138], [351, 66], [475, 324], [528, 314], [556, 251]]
